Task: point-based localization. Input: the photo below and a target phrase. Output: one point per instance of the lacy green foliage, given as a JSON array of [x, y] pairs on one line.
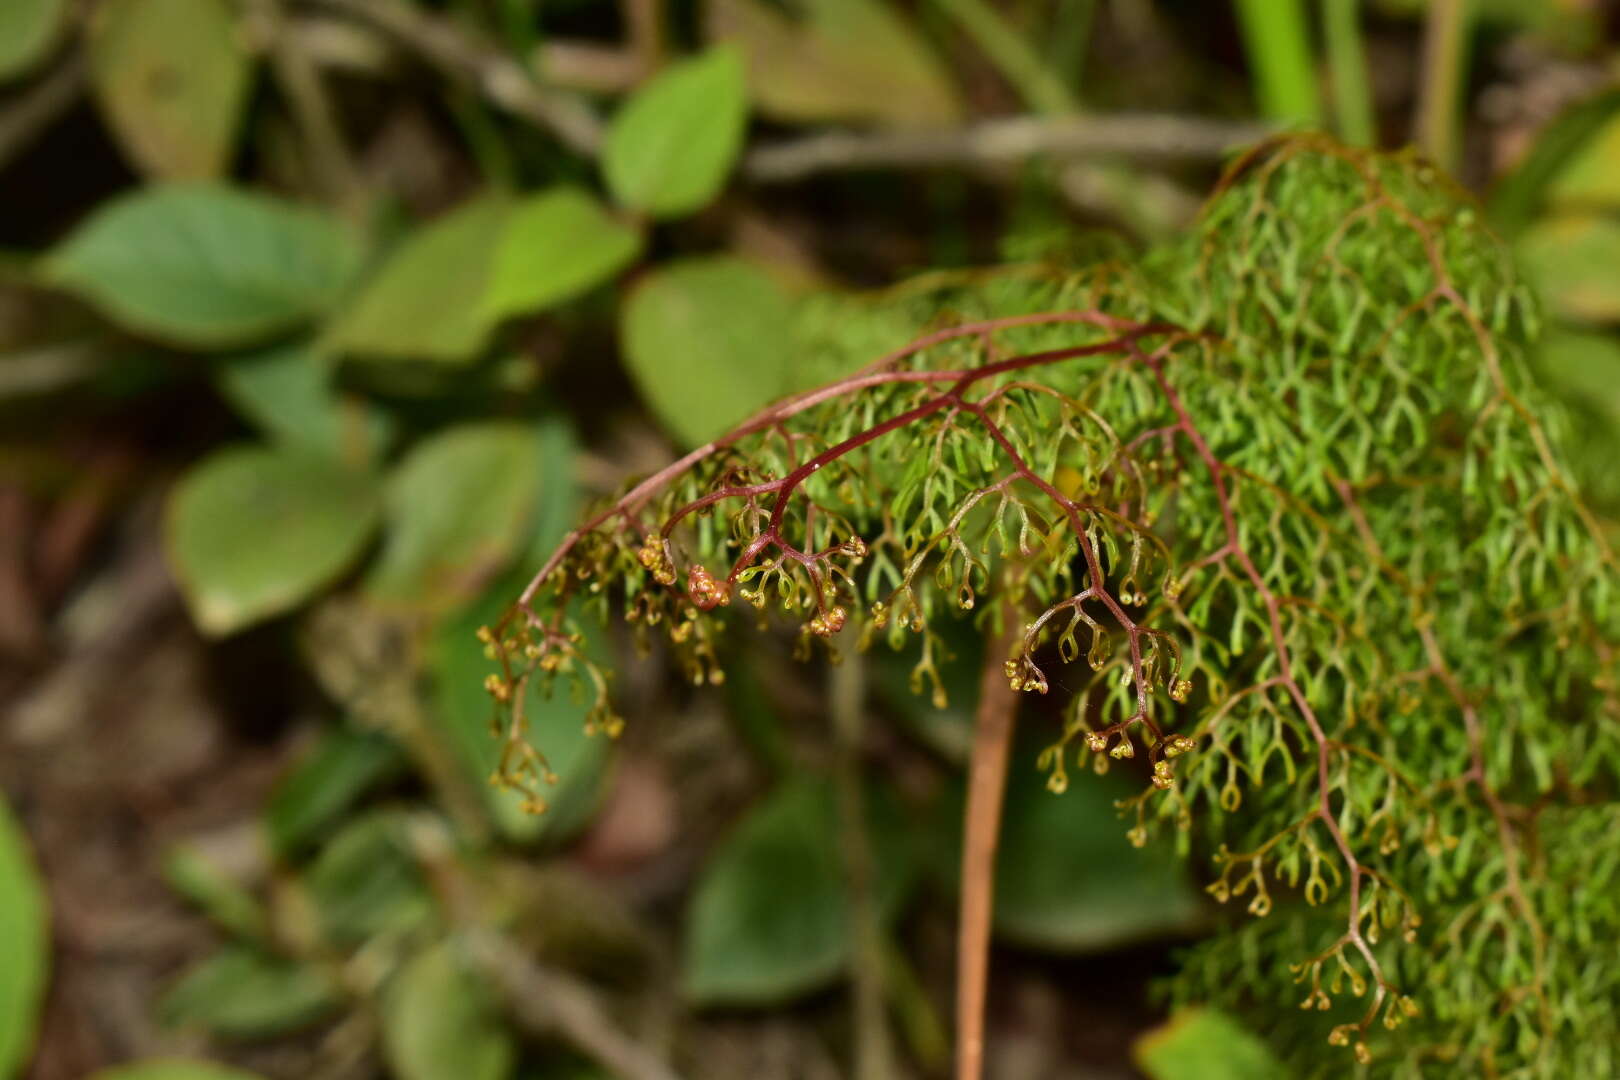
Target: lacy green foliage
[[1287, 490]]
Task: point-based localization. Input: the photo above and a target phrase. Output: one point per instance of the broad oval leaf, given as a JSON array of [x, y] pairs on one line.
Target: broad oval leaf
[[171, 78], [770, 915], [25, 929], [459, 507], [172, 1069], [1204, 1044], [28, 28], [838, 60], [708, 341], [241, 992], [426, 302], [671, 146], [205, 266], [439, 1023], [556, 245], [254, 531], [1067, 878]]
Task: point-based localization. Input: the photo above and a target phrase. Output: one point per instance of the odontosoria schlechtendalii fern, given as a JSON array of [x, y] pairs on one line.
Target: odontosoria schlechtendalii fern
[[1287, 489]]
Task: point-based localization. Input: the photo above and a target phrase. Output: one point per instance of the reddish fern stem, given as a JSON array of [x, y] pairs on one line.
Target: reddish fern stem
[[874, 374]]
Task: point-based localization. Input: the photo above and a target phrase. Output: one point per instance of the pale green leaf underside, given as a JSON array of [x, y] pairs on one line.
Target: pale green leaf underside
[[670, 147], [253, 532], [706, 341]]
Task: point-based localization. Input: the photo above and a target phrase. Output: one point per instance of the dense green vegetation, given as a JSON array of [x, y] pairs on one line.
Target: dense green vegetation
[[331, 328]]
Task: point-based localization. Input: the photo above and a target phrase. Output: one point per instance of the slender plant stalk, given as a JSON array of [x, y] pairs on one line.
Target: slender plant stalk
[[915, 1015], [874, 1053], [1279, 51], [1347, 59], [981, 829], [1137, 199], [331, 164], [1068, 41], [1444, 43], [1012, 56]]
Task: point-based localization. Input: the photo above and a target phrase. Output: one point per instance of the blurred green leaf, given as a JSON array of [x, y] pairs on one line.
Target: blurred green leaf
[[448, 284], [1203, 1044], [366, 882], [556, 245], [440, 1024], [254, 531], [25, 959], [707, 343], [172, 1070], [426, 301], [671, 146], [205, 266], [834, 333], [192, 875], [557, 510], [27, 30], [458, 510], [171, 78], [1067, 878], [1583, 369], [1519, 197], [1575, 259], [840, 60], [770, 915], [286, 392], [1591, 177], [341, 768], [240, 992]]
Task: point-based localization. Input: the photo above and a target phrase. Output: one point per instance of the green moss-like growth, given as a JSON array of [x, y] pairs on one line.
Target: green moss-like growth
[[1287, 489]]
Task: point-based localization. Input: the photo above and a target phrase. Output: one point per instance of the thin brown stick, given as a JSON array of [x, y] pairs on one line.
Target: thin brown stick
[[550, 1003], [332, 165], [499, 78], [981, 829], [505, 83], [1001, 142], [26, 116]]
